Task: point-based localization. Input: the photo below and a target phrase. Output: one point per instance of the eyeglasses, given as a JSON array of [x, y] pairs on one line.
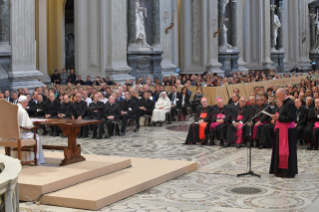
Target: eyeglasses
[[258, 100]]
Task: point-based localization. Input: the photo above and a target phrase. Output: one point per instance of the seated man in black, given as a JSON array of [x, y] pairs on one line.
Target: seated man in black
[[79, 110], [129, 109], [176, 100], [145, 106], [52, 108], [30, 106], [112, 112], [66, 109], [95, 112], [38, 110]]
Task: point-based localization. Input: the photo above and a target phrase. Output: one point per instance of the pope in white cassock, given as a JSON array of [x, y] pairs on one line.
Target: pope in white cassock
[[25, 121]]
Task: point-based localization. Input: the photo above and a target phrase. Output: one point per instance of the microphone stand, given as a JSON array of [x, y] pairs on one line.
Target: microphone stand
[[250, 172]]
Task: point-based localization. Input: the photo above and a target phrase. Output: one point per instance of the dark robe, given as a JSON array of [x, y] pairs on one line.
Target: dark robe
[[231, 135], [309, 131], [193, 132], [257, 109], [287, 114], [111, 110], [267, 132], [301, 121], [67, 110], [220, 132]]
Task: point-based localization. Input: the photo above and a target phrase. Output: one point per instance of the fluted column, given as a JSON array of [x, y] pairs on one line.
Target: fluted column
[[221, 39], [280, 30], [156, 24], [131, 23], [312, 30], [234, 24], [272, 22]]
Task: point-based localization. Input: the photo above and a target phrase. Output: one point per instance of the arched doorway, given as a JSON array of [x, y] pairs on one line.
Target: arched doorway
[[69, 35]]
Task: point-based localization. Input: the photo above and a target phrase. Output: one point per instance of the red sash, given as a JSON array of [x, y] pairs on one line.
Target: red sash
[[202, 127], [214, 125], [255, 129], [283, 143], [239, 130]]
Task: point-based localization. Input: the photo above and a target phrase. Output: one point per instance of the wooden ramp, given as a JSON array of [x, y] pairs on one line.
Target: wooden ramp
[[35, 181], [105, 190]]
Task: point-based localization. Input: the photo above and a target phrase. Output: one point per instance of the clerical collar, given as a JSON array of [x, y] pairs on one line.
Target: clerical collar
[[272, 106], [236, 103]]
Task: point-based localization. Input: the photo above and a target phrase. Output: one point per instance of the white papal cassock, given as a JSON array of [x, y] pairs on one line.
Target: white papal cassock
[[165, 103], [25, 121]]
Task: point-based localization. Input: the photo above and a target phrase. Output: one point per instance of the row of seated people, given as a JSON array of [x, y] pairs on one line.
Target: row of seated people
[[225, 123]]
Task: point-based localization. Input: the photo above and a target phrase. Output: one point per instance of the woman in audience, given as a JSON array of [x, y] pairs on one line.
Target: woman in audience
[[302, 85], [296, 94], [173, 80], [162, 107], [60, 98]]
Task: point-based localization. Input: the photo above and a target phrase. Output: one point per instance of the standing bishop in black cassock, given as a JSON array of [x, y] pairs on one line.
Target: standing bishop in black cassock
[[200, 128], [267, 133], [301, 120], [284, 151]]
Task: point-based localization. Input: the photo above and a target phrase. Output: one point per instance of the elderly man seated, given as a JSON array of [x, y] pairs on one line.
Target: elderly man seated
[[25, 121]]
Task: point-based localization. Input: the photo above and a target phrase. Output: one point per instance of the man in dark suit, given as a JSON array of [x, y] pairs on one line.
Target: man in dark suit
[[145, 106], [112, 112], [236, 91], [79, 110], [79, 81], [66, 109], [14, 99], [38, 110], [30, 106], [176, 100], [7, 96], [95, 112], [55, 78], [295, 69], [129, 109], [88, 81], [301, 120], [52, 108]]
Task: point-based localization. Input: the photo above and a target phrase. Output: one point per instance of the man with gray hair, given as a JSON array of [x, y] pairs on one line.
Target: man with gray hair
[[25, 122], [284, 152]]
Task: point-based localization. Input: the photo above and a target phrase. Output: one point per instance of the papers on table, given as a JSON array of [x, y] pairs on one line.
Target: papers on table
[[39, 120]]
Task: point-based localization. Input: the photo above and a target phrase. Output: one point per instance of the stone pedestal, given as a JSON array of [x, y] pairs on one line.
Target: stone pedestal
[[278, 61], [229, 62], [23, 73], [312, 31], [314, 57], [145, 64]]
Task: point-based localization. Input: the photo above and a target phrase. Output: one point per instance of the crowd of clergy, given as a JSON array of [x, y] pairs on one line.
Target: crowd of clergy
[[240, 121]]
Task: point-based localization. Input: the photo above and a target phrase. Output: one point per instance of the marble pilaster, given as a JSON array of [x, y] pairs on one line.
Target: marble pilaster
[[280, 30], [156, 26], [221, 38], [5, 48], [131, 23], [265, 34], [212, 63], [169, 36], [304, 40], [233, 18], [312, 30], [23, 71], [42, 41], [272, 23], [240, 36]]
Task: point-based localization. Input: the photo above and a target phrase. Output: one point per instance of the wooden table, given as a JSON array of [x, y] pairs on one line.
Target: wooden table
[[70, 128]]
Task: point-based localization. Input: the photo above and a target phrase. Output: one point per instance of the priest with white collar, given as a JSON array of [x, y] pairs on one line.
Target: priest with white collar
[[25, 121]]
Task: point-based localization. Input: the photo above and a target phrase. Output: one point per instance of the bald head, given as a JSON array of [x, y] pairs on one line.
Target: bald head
[[281, 94]]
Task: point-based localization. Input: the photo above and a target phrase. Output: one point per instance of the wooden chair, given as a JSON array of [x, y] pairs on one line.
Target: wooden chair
[[10, 136]]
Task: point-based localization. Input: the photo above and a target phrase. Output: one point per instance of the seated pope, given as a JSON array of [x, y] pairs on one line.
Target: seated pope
[[25, 122]]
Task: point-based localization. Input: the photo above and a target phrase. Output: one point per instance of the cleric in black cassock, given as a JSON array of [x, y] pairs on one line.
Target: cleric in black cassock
[[301, 120], [315, 141], [284, 151], [268, 131], [256, 121], [309, 129], [200, 128], [219, 122], [238, 117]]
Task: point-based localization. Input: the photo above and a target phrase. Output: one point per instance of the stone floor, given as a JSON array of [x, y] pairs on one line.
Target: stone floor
[[213, 186]]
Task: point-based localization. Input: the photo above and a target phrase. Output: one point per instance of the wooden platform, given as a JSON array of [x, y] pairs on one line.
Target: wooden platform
[[105, 190], [96, 182], [35, 181]]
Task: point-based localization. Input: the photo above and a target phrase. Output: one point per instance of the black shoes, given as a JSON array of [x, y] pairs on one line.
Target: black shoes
[[309, 147], [261, 147], [94, 136], [122, 133], [79, 136], [136, 130], [107, 136], [99, 137], [211, 143], [85, 136], [45, 132], [238, 146], [226, 145], [221, 142], [160, 124]]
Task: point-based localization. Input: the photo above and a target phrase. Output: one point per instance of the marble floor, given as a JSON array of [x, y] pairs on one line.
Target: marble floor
[[214, 186]]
